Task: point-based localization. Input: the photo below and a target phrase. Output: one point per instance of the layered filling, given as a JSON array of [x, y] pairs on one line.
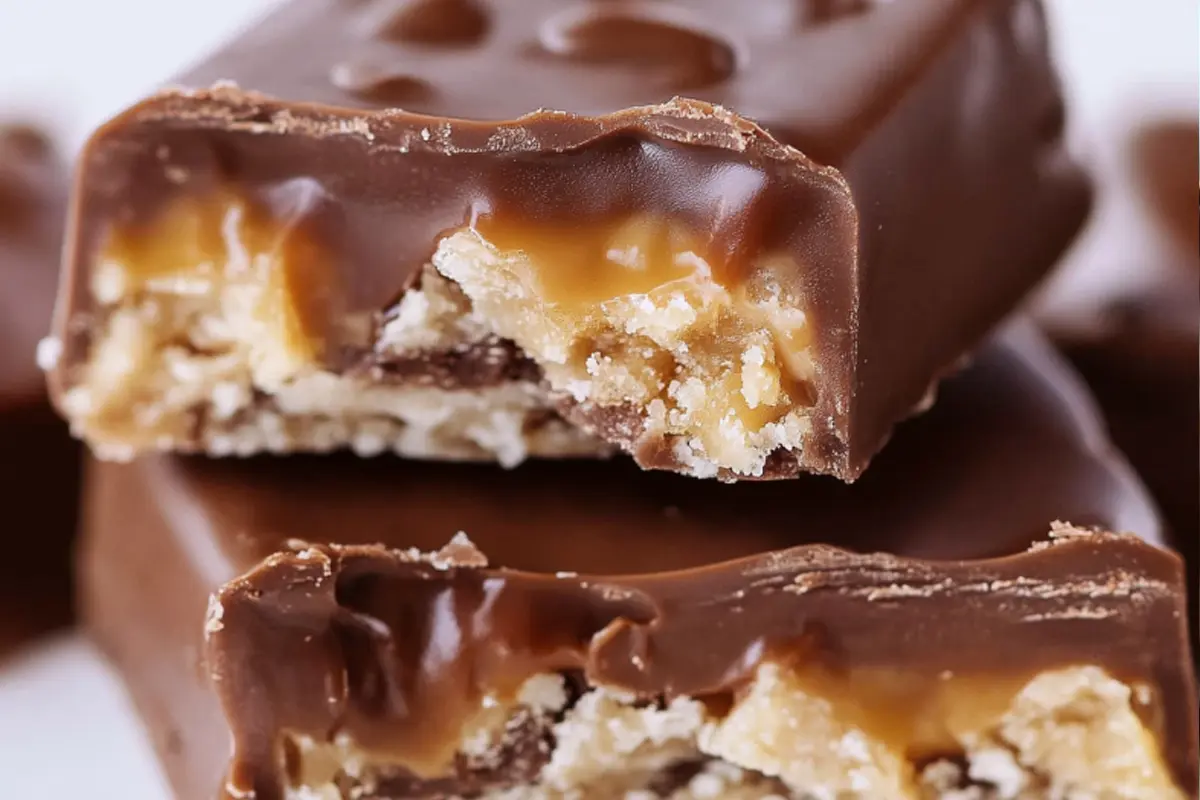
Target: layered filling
[[361, 672], [226, 326], [1067, 733], [713, 355], [220, 328]]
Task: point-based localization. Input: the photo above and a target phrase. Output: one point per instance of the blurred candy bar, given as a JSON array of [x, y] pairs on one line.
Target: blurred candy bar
[[39, 463]]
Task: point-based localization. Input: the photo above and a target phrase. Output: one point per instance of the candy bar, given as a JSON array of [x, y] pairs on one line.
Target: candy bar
[[353, 227], [593, 631], [39, 465]]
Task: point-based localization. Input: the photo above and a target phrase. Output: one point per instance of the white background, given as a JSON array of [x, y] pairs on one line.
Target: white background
[[65, 729]]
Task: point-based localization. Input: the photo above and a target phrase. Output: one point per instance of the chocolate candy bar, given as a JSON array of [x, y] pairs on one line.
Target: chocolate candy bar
[[289, 261], [1164, 166], [657, 634], [32, 204], [38, 461]]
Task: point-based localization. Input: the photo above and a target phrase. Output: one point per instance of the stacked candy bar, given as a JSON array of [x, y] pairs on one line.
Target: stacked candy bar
[[39, 464], [708, 256]]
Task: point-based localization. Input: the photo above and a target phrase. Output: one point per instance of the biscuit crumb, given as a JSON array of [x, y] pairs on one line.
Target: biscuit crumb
[[212, 332], [722, 372], [1069, 734]]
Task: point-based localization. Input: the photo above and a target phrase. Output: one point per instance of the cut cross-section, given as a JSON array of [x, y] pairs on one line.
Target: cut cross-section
[[712, 355]]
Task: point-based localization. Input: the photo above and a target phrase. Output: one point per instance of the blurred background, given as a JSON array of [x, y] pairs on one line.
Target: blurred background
[[1132, 71]]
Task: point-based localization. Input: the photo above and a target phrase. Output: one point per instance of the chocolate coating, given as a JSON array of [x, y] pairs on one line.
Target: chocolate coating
[[38, 460], [939, 192], [1013, 444]]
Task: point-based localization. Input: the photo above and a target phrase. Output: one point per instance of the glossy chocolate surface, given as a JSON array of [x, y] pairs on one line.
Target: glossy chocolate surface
[[38, 460], [1012, 445], [939, 193]]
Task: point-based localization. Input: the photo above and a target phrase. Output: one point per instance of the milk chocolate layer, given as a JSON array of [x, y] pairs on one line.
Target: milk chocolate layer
[[300, 264], [38, 461], [661, 600]]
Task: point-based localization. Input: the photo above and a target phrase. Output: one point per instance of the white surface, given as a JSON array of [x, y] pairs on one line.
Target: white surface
[[67, 730], [1126, 65], [79, 62], [62, 717]]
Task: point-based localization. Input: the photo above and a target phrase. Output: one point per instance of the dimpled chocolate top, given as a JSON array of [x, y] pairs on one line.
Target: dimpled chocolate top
[[934, 193], [498, 60]]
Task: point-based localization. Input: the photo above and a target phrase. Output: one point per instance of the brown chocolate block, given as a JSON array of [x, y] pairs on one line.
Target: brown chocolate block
[[294, 263], [656, 634], [38, 460]]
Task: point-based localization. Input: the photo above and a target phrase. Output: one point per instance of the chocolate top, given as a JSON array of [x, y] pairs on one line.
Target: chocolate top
[[473, 59], [32, 206]]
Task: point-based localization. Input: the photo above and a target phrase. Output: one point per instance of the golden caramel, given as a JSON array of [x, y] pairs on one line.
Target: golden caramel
[[865, 734], [579, 267], [640, 313], [916, 715], [869, 734], [224, 325], [204, 246], [199, 307]]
